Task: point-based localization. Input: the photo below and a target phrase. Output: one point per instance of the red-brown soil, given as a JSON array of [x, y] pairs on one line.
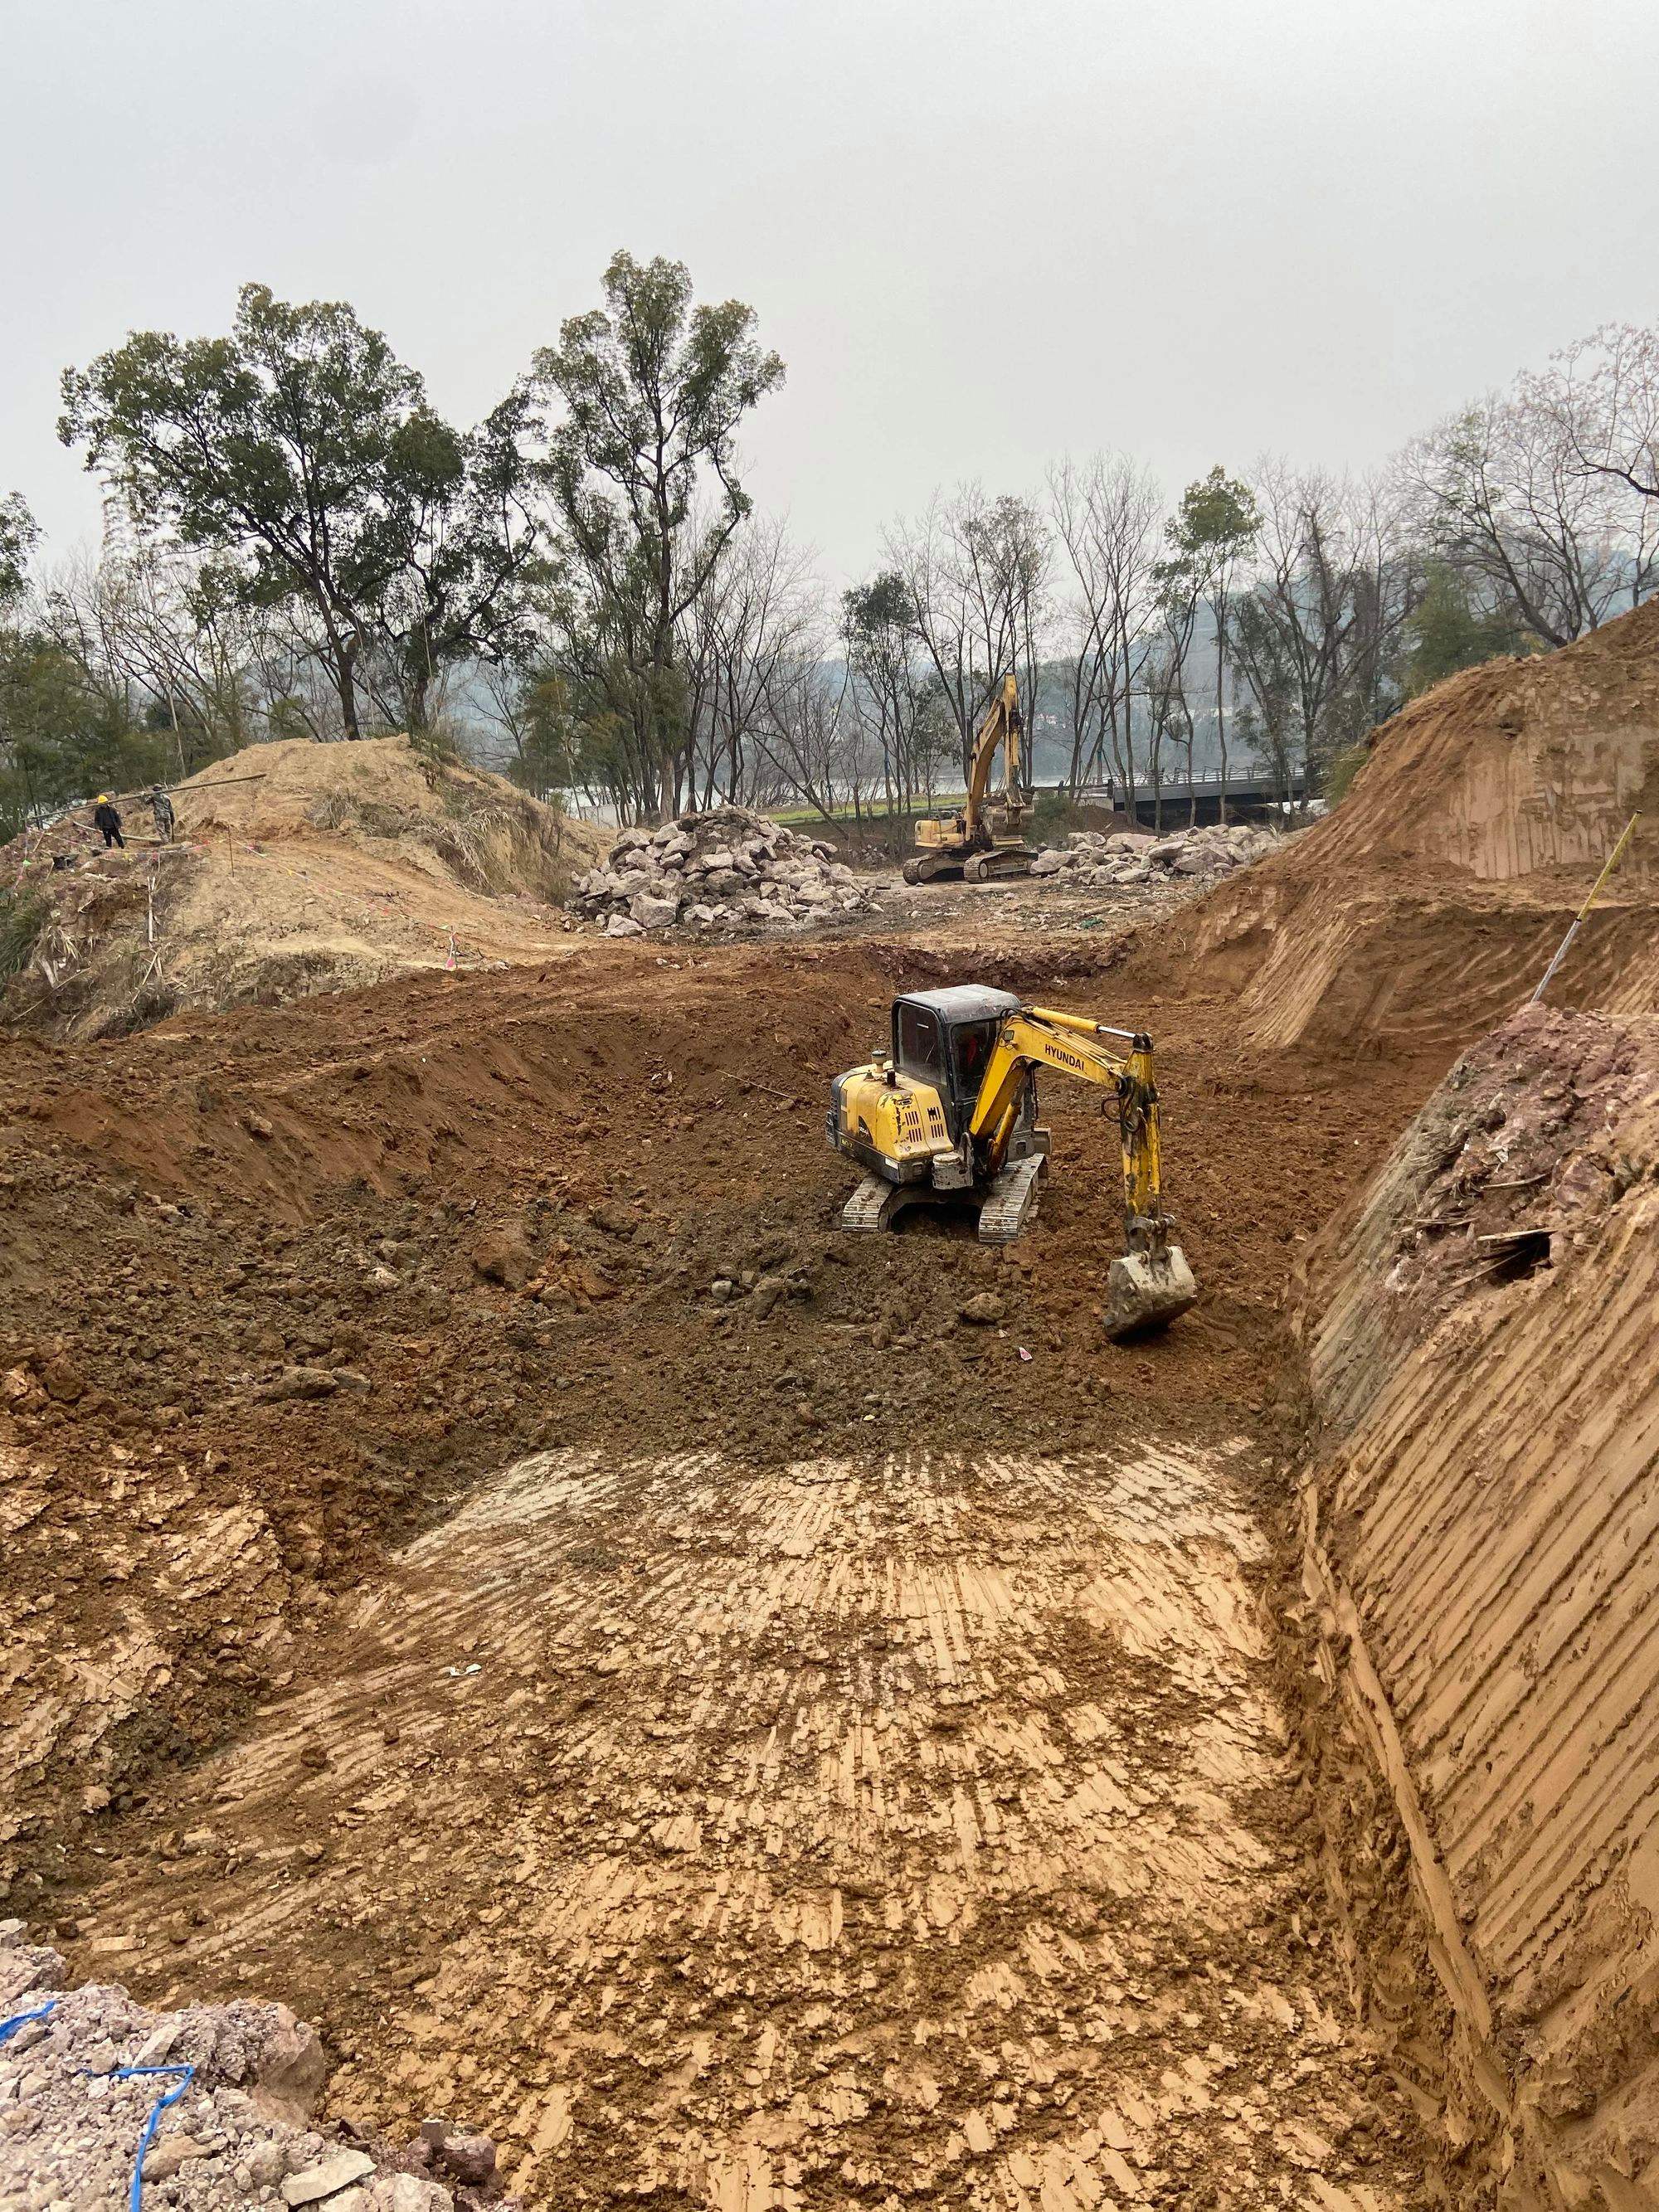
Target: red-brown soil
[[848, 1759]]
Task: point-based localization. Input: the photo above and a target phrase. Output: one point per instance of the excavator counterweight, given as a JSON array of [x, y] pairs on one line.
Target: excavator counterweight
[[946, 1116]]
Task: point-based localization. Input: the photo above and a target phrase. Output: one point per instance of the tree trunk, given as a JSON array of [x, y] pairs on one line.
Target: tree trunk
[[1220, 702]]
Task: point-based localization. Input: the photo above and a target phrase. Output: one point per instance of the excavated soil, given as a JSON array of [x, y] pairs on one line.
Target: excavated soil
[[873, 1781], [784, 1745]]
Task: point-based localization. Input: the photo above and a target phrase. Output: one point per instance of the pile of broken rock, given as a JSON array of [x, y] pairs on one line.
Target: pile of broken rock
[[728, 869], [82, 2069], [1103, 859]]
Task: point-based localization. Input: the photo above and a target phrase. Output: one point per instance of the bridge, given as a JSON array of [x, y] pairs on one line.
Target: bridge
[[1186, 800]]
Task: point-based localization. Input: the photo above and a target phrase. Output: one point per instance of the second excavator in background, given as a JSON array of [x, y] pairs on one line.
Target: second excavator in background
[[984, 837]]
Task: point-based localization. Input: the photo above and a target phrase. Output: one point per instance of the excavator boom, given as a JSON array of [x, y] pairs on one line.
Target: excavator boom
[[1151, 1283]]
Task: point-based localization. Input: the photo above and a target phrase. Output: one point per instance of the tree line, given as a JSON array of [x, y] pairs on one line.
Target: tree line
[[580, 589]]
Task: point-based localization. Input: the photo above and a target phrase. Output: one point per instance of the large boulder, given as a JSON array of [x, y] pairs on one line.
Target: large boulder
[[653, 912]]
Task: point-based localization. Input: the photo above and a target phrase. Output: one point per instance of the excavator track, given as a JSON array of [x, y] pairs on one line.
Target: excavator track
[[872, 1205], [1000, 865], [1011, 1205]]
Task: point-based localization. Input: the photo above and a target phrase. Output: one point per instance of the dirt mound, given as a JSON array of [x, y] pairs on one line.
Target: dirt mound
[[1429, 903], [1481, 1550], [296, 867]]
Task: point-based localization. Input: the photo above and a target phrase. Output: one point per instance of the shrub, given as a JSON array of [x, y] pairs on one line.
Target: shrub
[[22, 917]]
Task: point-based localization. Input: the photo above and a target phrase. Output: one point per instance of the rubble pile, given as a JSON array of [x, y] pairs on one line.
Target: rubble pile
[[1102, 860], [728, 869], [81, 2070]]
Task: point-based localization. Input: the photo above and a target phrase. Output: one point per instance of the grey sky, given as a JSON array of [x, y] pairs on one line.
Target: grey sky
[[979, 235]]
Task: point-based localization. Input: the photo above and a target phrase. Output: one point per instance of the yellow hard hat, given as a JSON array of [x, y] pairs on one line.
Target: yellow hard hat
[[102, 796]]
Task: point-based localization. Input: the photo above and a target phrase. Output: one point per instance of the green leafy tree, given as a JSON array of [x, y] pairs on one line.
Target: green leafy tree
[[304, 451], [18, 537], [1451, 630], [1210, 534], [463, 550], [652, 390]]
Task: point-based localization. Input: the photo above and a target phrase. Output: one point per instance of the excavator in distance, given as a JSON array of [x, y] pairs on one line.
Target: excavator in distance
[[947, 1115], [985, 836]]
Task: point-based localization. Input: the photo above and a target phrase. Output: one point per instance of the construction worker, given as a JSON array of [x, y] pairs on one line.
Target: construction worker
[[161, 807], [105, 818]]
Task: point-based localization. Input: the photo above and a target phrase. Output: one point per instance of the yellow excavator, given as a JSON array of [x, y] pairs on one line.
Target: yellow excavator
[[985, 836], [947, 1114]]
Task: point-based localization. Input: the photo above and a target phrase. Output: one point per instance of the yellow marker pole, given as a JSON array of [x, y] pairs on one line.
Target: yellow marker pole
[[1614, 858]]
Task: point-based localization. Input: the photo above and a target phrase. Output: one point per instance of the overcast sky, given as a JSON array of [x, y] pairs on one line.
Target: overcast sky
[[979, 235]]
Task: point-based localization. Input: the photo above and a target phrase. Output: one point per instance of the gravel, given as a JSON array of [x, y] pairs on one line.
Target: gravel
[[239, 2134]]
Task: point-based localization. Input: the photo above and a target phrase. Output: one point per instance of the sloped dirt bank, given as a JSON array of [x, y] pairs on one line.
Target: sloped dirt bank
[[1482, 1557], [1427, 902]]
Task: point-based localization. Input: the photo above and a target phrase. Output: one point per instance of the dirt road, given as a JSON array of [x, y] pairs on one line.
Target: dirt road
[[854, 1831]]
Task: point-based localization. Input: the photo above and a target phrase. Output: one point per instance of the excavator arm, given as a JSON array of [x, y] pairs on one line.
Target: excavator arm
[[1001, 727], [1151, 1283], [1043, 1037]]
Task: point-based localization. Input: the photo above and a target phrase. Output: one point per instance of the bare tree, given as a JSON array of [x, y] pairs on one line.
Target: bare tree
[[758, 611], [807, 735], [1316, 633], [1602, 394], [1108, 517], [1502, 492], [977, 573]]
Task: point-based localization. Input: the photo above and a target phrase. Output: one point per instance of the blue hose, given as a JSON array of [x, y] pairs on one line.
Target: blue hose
[[9, 2027], [136, 2194]]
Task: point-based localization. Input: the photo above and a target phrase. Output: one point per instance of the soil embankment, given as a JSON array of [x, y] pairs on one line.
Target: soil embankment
[[1425, 905], [1484, 1547]]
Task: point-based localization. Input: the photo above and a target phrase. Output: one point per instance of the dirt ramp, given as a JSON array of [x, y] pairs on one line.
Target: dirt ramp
[[1483, 1546], [1430, 901]]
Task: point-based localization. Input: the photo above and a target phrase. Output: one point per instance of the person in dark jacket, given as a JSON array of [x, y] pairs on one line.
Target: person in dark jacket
[[105, 818]]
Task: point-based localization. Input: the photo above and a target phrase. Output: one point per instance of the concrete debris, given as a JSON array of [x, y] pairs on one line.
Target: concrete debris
[[238, 2135], [724, 870], [1102, 860]]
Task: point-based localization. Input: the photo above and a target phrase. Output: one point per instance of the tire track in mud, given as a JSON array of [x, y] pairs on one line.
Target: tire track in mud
[[784, 1838]]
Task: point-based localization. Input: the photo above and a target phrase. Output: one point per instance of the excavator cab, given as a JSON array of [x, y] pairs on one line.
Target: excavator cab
[[946, 1039]]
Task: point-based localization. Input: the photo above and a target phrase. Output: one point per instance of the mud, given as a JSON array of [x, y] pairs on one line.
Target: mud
[[281, 1290], [849, 1828]]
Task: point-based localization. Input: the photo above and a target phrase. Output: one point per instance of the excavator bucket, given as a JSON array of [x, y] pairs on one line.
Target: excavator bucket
[[1146, 1291]]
